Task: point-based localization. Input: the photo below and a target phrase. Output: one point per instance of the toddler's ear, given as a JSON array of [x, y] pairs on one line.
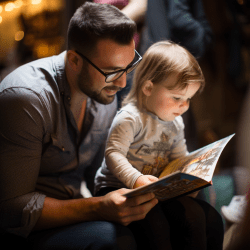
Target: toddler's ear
[[147, 88]]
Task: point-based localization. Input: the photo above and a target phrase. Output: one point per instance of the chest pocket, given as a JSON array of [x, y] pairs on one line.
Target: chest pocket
[[58, 155]]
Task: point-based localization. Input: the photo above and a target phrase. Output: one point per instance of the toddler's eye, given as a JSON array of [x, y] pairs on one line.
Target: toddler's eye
[[176, 98]]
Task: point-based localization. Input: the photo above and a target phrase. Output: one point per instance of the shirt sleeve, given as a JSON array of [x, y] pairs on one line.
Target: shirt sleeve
[[121, 135], [21, 135]]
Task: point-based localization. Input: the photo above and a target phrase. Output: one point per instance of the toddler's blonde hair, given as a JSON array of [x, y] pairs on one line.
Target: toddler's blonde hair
[[160, 61]]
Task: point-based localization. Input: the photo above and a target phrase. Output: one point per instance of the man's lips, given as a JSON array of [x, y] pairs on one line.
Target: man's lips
[[112, 90], [176, 114]]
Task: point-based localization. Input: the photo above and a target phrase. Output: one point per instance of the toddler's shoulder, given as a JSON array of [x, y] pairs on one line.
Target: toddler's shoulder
[[178, 122]]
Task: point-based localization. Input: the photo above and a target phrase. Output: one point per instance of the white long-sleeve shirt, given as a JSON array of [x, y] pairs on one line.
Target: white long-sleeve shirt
[[139, 143]]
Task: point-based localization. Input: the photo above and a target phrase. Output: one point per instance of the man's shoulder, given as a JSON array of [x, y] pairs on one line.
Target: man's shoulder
[[36, 75]]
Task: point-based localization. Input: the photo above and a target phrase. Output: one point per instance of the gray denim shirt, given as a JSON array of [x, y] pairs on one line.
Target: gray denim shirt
[[42, 152]]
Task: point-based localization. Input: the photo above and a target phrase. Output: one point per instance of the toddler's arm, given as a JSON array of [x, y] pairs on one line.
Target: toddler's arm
[[121, 136]]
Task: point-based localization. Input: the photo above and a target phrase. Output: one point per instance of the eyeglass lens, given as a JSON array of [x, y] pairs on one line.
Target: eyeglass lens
[[115, 76]]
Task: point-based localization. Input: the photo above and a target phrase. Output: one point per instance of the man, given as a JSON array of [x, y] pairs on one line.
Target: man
[[55, 114]]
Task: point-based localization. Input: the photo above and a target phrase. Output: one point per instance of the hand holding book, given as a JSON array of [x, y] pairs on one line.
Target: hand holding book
[[144, 180]]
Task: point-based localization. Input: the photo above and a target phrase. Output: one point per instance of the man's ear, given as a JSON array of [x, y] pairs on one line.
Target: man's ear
[[74, 60], [147, 88]]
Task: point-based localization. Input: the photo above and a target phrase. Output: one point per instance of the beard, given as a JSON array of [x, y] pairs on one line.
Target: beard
[[85, 84]]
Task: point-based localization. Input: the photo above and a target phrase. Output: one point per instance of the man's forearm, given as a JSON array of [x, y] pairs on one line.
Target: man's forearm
[[58, 213], [112, 207]]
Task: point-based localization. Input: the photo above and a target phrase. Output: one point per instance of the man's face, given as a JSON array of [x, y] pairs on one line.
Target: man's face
[[109, 56]]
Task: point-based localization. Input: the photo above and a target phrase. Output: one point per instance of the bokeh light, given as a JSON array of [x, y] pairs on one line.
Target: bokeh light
[[19, 35]]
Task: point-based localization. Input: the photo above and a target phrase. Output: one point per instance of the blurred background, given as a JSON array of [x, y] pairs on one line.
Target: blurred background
[[33, 29]]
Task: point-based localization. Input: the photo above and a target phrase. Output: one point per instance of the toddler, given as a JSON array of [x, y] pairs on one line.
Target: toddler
[[147, 133]]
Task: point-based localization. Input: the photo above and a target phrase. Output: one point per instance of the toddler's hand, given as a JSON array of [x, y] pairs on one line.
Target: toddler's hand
[[144, 180]]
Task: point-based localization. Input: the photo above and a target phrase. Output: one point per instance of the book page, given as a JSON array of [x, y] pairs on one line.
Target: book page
[[200, 163]]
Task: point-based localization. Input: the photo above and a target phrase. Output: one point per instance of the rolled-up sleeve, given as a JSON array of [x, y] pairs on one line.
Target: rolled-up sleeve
[[21, 136]]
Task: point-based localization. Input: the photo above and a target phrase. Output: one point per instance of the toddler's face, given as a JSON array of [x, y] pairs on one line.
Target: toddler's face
[[168, 104]]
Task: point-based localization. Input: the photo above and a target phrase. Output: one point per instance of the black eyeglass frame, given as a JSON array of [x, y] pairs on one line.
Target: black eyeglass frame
[[114, 72]]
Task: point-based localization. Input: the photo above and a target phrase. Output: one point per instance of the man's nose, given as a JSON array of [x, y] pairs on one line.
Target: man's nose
[[122, 81]]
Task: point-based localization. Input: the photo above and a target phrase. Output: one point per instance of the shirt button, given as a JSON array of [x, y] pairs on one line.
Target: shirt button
[[63, 149], [62, 93], [69, 98]]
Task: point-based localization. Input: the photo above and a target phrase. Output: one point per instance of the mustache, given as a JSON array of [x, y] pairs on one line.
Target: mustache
[[113, 88]]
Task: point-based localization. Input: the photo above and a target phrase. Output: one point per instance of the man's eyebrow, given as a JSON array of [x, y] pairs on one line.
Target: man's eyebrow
[[118, 68]]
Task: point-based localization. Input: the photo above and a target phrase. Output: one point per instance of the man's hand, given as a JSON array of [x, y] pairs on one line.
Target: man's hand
[[144, 180], [117, 208]]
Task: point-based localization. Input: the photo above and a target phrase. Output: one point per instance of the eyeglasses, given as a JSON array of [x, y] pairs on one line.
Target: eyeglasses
[[110, 77]]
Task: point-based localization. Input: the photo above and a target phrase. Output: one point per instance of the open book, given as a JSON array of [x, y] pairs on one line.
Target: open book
[[186, 174]]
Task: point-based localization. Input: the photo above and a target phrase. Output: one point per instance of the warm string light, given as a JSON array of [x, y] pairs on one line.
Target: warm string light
[[9, 6], [10, 10], [36, 1], [18, 4]]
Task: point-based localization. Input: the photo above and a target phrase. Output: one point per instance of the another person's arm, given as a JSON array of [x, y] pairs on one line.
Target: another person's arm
[[190, 27], [136, 10]]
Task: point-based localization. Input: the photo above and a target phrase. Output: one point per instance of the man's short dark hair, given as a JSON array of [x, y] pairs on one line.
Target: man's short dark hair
[[93, 22]]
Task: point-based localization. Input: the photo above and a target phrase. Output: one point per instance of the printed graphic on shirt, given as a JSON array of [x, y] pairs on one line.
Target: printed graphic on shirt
[[159, 152]]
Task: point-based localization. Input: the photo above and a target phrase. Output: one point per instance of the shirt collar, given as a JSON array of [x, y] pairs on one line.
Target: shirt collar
[[61, 74]]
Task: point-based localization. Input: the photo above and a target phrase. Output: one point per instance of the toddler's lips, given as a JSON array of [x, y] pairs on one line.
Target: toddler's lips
[[176, 114]]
